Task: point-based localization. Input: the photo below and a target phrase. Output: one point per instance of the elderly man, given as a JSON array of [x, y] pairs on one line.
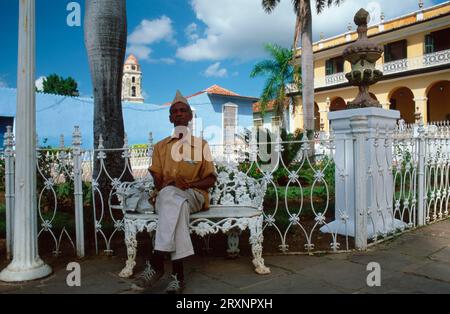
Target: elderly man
[[183, 172]]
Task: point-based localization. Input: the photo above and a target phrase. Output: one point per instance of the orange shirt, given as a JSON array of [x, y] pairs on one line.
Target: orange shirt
[[189, 158]]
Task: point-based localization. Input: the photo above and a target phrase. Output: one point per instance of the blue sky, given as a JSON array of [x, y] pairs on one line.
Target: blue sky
[[181, 44]]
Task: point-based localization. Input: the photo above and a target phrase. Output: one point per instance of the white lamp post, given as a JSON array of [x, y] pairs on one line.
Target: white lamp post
[[26, 264]]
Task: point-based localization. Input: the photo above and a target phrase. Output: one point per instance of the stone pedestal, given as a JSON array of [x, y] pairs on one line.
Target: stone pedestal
[[364, 182]]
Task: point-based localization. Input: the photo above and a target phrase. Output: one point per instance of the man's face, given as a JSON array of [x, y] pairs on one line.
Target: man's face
[[180, 114]]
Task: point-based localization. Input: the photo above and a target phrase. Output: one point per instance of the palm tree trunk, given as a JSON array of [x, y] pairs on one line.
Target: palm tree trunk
[[307, 66], [105, 38]]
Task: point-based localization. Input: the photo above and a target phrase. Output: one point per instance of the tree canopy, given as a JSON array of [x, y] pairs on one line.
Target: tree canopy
[[55, 84]]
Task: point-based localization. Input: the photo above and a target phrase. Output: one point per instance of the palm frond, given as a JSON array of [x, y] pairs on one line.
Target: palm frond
[[269, 5], [321, 4], [265, 67]]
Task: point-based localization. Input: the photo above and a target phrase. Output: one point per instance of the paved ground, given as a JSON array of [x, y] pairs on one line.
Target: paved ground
[[416, 262]]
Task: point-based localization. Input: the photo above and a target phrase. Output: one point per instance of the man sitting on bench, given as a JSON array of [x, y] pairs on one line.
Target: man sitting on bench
[[183, 171]]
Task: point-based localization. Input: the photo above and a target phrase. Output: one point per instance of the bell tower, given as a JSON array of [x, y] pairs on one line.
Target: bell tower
[[132, 81]]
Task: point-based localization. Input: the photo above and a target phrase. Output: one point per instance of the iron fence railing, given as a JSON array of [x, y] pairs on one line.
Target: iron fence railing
[[408, 180]]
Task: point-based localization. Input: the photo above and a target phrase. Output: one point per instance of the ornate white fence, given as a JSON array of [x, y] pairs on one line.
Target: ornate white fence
[[411, 180]]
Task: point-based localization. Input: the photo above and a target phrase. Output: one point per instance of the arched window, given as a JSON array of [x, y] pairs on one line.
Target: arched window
[[133, 91], [133, 79]]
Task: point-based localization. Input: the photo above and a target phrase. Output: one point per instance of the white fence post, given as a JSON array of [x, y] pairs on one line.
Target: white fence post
[[9, 189], [78, 191], [421, 177], [363, 165], [359, 126]]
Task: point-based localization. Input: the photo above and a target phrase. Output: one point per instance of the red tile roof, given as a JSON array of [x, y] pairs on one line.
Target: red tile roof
[[213, 90], [217, 90], [132, 60], [270, 105]]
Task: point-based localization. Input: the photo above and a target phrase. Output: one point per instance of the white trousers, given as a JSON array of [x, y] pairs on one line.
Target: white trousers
[[174, 207]]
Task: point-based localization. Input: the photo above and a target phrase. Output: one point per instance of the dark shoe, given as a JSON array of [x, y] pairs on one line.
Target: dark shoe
[[175, 286], [148, 278]]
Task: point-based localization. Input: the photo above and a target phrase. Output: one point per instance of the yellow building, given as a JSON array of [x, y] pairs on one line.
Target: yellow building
[[415, 63]]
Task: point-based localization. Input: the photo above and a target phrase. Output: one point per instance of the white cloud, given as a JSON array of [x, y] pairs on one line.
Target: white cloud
[[240, 31], [167, 60], [191, 32], [145, 95], [331, 26], [214, 70], [40, 83], [150, 32], [141, 52]]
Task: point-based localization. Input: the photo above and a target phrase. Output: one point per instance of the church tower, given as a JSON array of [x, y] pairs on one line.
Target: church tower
[[132, 81]]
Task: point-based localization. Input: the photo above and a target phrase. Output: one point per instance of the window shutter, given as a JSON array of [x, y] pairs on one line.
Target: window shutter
[[429, 43], [405, 48], [329, 67], [387, 54]]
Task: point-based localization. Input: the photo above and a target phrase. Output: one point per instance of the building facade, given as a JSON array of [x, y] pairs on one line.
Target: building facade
[[220, 116], [132, 81], [415, 63]]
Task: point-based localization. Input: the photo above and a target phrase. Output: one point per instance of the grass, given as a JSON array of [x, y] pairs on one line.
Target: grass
[[294, 193]]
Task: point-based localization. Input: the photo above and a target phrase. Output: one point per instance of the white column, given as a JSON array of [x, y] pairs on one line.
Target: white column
[[9, 189], [26, 264], [324, 122], [78, 190]]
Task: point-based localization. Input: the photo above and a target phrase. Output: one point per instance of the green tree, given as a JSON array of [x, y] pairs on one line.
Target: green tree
[[303, 28], [55, 84], [279, 73]]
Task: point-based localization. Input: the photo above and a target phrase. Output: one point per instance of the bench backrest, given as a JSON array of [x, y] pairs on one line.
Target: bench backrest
[[232, 187]]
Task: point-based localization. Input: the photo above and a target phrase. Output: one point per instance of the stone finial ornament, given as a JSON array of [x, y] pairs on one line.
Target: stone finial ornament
[[363, 55]]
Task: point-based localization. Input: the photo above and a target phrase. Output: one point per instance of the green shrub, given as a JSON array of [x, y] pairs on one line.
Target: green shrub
[[139, 146]]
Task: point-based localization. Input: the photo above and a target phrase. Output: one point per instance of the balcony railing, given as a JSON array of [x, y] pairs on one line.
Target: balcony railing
[[398, 66], [422, 62]]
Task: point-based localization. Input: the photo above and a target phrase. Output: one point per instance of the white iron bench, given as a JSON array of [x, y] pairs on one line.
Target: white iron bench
[[236, 204]]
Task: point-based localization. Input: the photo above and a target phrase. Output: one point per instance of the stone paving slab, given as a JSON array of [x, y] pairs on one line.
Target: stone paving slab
[[442, 255], [393, 261], [295, 284], [434, 270], [409, 284], [346, 275], [418, 245]]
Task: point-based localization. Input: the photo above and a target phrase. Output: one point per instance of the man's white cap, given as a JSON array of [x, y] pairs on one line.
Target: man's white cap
[[179, 98]]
